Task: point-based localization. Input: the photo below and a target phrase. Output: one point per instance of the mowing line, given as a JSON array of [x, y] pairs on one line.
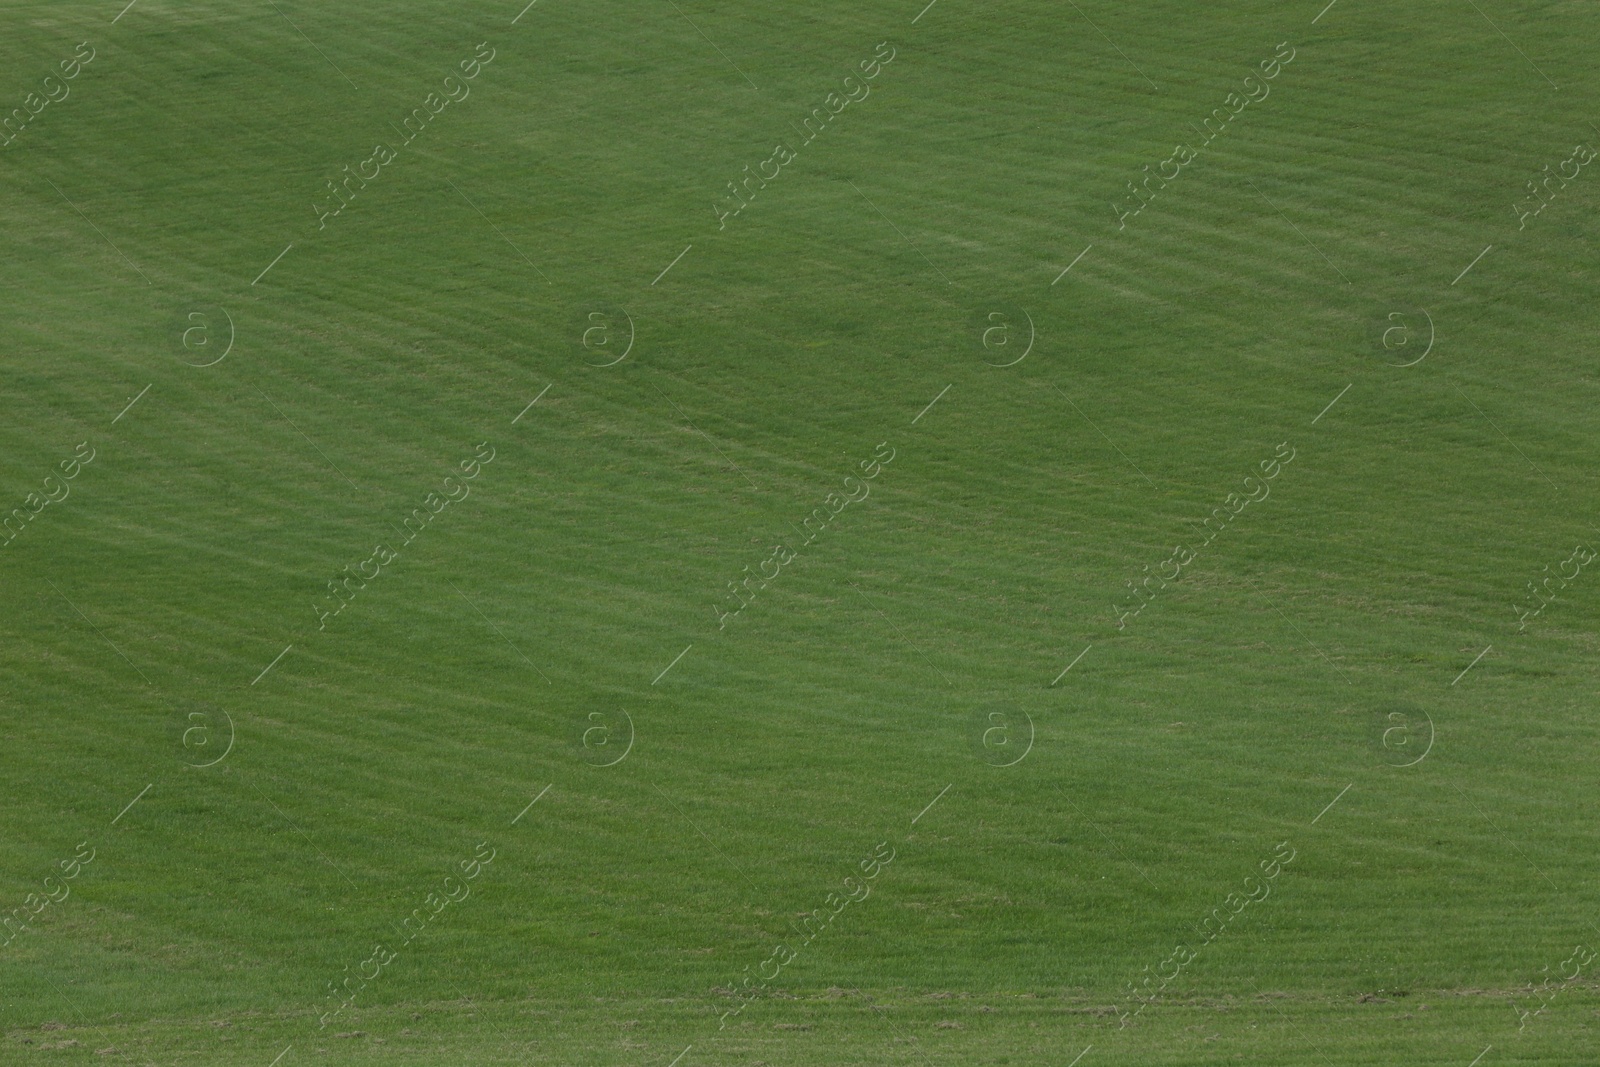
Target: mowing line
[[132, 802], [273, 664], [932, 802], [674, 263], [132, 402], [673, 664], [274, 263], [1331, 803], [543, 791], [1332, 402], [1074, 263], [1474, 263], [1473, 664], [932, 402], [1063, 674]]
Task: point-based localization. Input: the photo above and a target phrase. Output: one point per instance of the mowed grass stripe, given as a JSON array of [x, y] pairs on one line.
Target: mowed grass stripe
[[812, 726]]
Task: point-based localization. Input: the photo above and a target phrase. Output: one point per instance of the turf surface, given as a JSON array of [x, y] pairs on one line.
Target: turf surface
[[693, 562]]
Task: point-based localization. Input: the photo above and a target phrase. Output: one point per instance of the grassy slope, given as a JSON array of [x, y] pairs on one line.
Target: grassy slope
[[1167, 763]]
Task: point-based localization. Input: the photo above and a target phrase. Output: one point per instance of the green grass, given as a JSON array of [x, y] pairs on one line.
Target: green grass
[[621, 910]]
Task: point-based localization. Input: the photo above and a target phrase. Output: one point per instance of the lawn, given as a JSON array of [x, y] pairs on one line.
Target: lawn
[[699, 534]]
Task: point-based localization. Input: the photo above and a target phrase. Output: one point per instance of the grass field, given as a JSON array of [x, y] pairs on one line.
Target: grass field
[[695, 533]]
